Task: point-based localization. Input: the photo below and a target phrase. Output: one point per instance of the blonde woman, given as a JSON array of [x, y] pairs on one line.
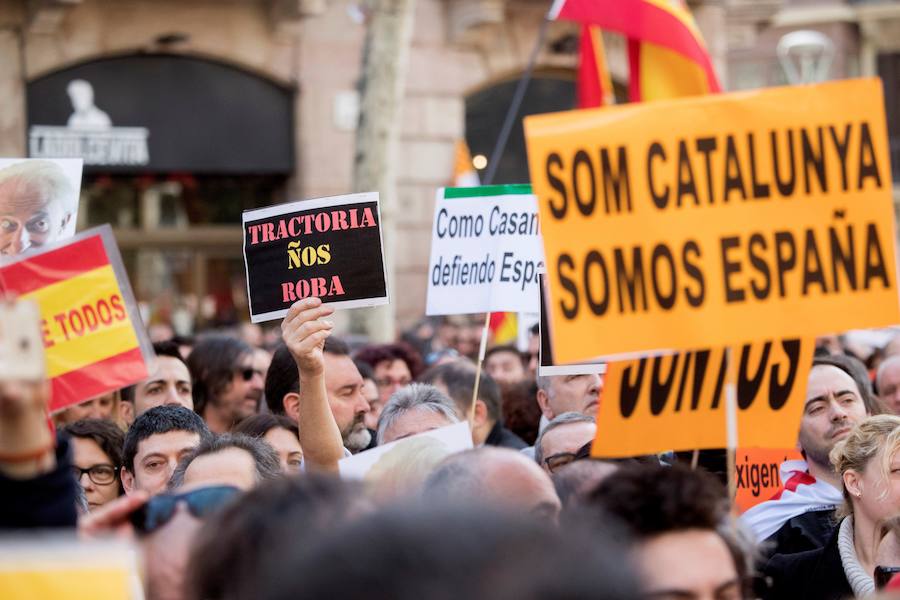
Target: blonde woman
[[869, 465]]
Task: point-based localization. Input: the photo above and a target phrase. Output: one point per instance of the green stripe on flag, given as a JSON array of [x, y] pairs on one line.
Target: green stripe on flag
[[487, 190]]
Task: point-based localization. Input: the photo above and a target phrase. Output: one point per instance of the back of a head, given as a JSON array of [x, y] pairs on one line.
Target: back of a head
[[458, 377], [230, 552], [652, 500], [282, 378], [212, 363], [496, 476], [264, 456], [161, 419], [259, 425], [441, 552], [378, 353]]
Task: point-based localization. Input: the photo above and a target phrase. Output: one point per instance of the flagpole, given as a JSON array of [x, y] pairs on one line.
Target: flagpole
[[496, 155]]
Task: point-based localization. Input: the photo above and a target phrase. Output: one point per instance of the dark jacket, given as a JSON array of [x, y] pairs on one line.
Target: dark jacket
[[811, 575], [43, 502], [504, 438], [804, 532]]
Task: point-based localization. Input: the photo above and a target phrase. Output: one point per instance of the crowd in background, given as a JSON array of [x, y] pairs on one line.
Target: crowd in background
[[223, 465]]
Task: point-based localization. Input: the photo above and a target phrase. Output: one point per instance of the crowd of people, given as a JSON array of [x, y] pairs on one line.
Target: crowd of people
[[223, 468]]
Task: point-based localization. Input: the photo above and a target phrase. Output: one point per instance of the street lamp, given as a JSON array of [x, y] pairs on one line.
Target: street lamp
[[805, 56]]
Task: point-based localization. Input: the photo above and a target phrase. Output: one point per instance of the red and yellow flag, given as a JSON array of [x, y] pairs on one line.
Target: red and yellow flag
[[90, 335], [667, 55]]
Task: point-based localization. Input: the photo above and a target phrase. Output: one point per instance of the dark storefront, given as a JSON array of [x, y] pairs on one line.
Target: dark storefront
[[175, 148]]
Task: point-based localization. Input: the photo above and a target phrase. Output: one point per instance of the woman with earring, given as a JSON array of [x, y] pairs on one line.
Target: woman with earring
[[868, 462]]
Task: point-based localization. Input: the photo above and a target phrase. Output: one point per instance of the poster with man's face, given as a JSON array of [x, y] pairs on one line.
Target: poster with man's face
[[38, 202]]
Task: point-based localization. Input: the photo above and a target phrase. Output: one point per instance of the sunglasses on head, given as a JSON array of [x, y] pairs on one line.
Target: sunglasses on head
[[248, 373], [202, 502]]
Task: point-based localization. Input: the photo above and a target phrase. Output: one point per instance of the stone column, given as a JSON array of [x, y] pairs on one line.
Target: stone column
[[12, 90]]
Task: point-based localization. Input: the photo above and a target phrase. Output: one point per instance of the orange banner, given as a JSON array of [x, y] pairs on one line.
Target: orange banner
[[92, 334], [716, 220], [758, 474], [677, 402]]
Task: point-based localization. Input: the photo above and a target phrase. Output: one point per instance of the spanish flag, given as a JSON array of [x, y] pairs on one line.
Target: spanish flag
[[667, 55]]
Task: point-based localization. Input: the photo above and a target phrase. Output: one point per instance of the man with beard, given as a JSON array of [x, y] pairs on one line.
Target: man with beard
[[227, 387], [313, 380], [800, 516], [344, 386]]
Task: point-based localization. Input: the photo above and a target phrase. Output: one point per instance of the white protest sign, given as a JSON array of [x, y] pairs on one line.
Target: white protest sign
[[486, 251]]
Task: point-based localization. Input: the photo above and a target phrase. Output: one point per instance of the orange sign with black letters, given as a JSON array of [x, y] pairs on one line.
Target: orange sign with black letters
[[717, 220], [677, 401]]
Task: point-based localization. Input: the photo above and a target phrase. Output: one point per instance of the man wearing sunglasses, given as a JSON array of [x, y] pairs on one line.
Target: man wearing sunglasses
[[565, 439], [227, 386]]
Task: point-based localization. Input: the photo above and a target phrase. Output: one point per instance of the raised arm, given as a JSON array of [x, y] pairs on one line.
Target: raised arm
[[304, 333]]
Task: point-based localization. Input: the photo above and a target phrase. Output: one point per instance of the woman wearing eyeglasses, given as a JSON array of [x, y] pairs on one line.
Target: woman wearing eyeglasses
[[97, 456]]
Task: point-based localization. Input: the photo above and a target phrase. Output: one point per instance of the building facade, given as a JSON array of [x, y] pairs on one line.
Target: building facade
[[216, 106]]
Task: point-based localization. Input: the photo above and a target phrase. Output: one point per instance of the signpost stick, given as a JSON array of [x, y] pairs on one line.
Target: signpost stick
[[481, 350], [731, 421]]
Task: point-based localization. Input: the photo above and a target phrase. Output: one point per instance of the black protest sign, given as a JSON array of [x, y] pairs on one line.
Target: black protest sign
[[329, 247]]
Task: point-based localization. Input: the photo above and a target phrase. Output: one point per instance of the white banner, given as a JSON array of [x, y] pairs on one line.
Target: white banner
[[486, 251]]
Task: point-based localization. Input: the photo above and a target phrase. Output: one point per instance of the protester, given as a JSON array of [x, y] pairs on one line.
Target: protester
[[279, 432], [370, 391], [37, 489], [434, 552], [96, 459], [533, 354], [343, 389], [799, 518], [414, 409], [169, 382], [101, 407], [331, 407], [393, 365], [867, 462], [505, 365], [575, 480], [37, 203], [521, 412], [157, 440], [230, 554], [887, 382], [685, 545], [237, 460], [559, 394], [227, 386], [563, 439], [457, 380], [497, 476]]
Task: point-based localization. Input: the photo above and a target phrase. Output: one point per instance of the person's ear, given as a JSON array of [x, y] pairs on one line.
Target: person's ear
[[126, 412], [291, 404], [544, 403], [853, 483], [127, 480], [481, 413]]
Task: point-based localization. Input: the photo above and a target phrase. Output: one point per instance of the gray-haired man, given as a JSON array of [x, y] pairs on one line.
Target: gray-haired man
[[562, 439], [415, 409]]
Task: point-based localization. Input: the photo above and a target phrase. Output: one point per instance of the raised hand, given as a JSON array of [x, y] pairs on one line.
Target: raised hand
[[304, 333]]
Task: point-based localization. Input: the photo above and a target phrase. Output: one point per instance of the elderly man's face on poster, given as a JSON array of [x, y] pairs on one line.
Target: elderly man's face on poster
[[38, 204]]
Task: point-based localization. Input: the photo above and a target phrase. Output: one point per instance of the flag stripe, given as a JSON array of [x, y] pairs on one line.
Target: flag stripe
[[42, 270], [114, 372]]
